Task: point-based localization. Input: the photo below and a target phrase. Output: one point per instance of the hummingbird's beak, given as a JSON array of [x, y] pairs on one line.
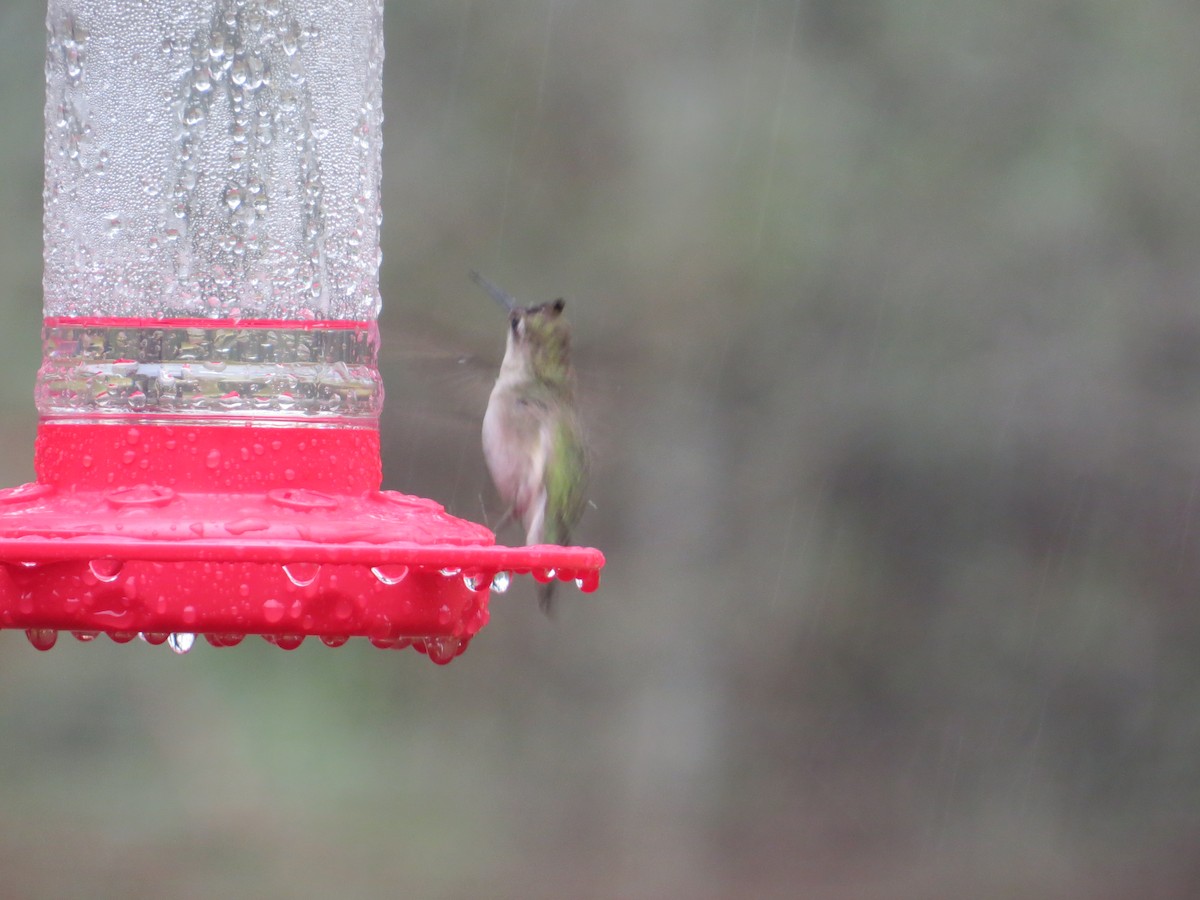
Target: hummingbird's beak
[[496, 294]]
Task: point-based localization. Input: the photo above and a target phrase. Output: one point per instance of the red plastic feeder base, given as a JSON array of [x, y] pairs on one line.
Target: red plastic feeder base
[[169, 531]]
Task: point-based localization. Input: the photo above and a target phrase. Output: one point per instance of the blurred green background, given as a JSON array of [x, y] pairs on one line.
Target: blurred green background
[[888, 333]]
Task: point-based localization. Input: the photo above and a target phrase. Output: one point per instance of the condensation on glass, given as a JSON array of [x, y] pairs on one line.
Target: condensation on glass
[[212, 208]]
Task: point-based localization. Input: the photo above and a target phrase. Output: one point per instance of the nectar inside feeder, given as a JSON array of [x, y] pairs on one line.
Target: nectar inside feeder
[[207, 455]]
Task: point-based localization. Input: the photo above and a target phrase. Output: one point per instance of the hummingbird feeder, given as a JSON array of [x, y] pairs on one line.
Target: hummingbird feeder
[[207, 454]]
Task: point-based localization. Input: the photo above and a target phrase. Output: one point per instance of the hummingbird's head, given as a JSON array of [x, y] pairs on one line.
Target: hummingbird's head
[[539, 339], [540, 335]]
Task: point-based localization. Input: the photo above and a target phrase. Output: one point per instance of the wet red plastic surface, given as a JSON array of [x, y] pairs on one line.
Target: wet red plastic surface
[[233, 530], [207, 458]]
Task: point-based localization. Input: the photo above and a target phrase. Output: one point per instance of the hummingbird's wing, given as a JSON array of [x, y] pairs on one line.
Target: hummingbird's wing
[[437, 390], [565, 479], [429, 374]]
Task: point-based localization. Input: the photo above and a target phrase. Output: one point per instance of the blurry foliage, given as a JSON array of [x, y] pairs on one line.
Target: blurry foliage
[[887, 326]]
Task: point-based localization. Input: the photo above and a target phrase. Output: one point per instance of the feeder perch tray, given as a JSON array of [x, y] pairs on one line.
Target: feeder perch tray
[[172, 531]]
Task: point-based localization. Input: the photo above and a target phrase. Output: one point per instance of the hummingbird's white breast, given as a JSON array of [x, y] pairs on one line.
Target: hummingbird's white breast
[[516, 444]]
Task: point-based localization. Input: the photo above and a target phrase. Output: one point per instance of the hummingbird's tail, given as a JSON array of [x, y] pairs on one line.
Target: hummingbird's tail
[[546, 597], [546, 591]]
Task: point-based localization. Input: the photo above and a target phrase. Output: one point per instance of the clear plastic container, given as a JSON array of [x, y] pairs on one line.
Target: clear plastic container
[[212, 208]]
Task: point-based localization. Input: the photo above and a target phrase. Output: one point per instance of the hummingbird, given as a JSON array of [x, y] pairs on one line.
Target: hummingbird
[[532, 439]]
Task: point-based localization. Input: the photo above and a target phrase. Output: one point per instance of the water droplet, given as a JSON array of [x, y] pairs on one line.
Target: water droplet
[[501, 581], [477, 582], [390, 574], [302, 574], [106, 570], [588, 582], [334, 640], [390, 643], [273, 610], [250, 523], [443, 649], [153, 637], [181, 641], [288, 641], [213, 459], [84, 636], [41, 638], [450, 571]]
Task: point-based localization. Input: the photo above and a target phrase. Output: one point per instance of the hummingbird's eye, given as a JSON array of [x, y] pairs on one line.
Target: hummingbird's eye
[[515, 324], [559, 305]]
